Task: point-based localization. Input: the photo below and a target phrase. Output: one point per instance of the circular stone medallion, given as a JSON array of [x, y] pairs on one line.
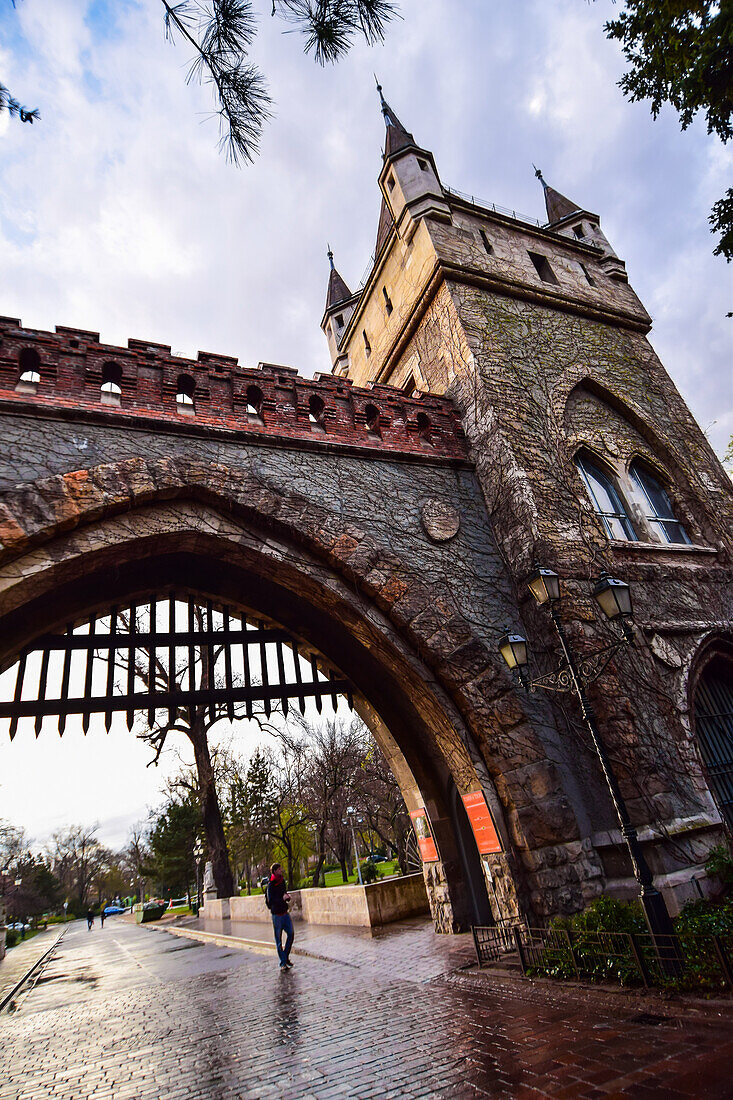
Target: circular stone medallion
[[440, 520]]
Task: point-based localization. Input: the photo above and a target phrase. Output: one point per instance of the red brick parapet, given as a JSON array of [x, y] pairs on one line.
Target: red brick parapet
[[67, 369]]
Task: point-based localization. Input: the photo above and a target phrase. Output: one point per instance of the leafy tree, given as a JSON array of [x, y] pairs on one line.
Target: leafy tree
[[247, 801], [172, 844], [76, 857], [37, 891], [682, 54], [220, 34]]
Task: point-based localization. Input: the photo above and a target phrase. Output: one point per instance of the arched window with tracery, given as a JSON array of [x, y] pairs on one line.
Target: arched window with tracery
[[713, 714], [656, 505], [606, 498]]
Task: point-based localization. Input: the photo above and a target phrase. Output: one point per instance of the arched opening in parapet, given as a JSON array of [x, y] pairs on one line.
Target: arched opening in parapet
[[343, 648]]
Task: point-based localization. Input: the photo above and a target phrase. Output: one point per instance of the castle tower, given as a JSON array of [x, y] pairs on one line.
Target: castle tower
[[340, 304], [588, 459]]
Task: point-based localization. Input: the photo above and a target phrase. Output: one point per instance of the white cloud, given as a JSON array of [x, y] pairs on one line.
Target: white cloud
[[117, 213]]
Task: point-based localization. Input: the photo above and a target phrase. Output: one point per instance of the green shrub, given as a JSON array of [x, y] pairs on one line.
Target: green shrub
[[11, 937], [369, 872], [720, 863]]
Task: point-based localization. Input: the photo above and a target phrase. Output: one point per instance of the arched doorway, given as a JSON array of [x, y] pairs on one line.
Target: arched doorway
[[713, 716], [151, 552]]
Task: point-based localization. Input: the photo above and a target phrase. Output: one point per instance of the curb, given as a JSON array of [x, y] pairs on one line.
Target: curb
[[42, 958]]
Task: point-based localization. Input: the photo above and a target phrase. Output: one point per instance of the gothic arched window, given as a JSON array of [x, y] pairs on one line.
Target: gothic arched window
[[606, 499], [657, 506], [713, 713]]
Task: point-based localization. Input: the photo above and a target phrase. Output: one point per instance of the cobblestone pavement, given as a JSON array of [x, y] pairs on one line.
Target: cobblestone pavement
[[136, 1014]]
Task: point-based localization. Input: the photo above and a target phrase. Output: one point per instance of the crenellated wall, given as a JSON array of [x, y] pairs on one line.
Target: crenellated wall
[[323, 410]]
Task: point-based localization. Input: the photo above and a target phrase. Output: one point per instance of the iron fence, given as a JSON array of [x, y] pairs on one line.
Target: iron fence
[[703, 962], [492, 941]]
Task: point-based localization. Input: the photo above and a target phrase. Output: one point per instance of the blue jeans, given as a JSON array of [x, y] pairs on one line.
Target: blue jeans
[[283, 922]]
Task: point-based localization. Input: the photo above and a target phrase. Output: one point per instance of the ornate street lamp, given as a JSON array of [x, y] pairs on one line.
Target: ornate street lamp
[[614, 598], [513, 648], [544, 584], [349, 820]]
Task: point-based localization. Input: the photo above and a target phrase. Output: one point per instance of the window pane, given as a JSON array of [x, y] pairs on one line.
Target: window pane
[[658, 507], [607, 502]]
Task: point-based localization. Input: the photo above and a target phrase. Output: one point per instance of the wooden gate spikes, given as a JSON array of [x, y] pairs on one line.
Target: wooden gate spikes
[[148, 669]]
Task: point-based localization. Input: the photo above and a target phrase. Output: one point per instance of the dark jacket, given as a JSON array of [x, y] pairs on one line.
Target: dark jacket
[[276, 890]]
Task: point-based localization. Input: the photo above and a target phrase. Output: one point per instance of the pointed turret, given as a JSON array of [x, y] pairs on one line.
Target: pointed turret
[[557, 206], [340, 304], [409, 181], [570, 220], [396, 137], [338, 291]]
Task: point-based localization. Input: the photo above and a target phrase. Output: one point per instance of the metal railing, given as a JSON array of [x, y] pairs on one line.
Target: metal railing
[[492, 941], [702, 962]]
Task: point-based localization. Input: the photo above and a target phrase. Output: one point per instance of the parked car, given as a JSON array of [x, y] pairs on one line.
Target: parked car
[[18, 926], [110, 910]]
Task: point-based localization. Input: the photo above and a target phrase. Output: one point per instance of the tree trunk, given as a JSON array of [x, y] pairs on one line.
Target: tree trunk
[[210, 812], [344, 870]]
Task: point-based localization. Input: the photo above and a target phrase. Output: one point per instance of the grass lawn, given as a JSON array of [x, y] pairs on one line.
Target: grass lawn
[[334, 878]]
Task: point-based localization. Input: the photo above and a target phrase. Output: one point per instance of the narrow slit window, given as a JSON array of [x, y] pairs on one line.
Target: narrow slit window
[[409, 386], [340, 320], [578, 231], [422, 164], [387, 300], [606, 500], [488, 248], [657, 507], [542, 267], [391, 183], [367, 345], [589, 278]]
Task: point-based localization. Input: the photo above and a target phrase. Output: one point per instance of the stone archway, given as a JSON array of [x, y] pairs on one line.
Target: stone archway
[[449, 708]]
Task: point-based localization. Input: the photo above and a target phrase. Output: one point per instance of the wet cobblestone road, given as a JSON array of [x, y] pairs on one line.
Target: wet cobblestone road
[[133, 1014]]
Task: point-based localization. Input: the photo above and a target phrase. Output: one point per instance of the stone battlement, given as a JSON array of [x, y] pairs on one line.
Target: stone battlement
[[69, 371]]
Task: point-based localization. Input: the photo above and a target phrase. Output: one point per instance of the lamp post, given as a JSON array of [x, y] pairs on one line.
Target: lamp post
[[614, 598], [198, 852], [349, 820]]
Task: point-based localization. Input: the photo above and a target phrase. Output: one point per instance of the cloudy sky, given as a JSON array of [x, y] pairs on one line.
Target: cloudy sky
[[117, 214]]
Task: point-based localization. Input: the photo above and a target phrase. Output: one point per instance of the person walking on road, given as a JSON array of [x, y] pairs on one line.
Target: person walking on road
[[90, 919], [101, 916], [276, 900]]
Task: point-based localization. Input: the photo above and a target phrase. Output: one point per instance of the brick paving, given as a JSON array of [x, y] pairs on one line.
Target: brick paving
[[21, 958], [135, 1014]]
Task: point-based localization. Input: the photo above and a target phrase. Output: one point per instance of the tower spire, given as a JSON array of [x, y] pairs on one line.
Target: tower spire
[[397, 137], [557, 206], [338, 291]]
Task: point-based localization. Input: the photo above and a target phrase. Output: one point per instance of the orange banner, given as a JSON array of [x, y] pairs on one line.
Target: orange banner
[[482, 823], [424, 834]]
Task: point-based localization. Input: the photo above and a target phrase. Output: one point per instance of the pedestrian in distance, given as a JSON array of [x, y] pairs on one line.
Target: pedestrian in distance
[[101, 917], [276, 900], [90, 919]]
